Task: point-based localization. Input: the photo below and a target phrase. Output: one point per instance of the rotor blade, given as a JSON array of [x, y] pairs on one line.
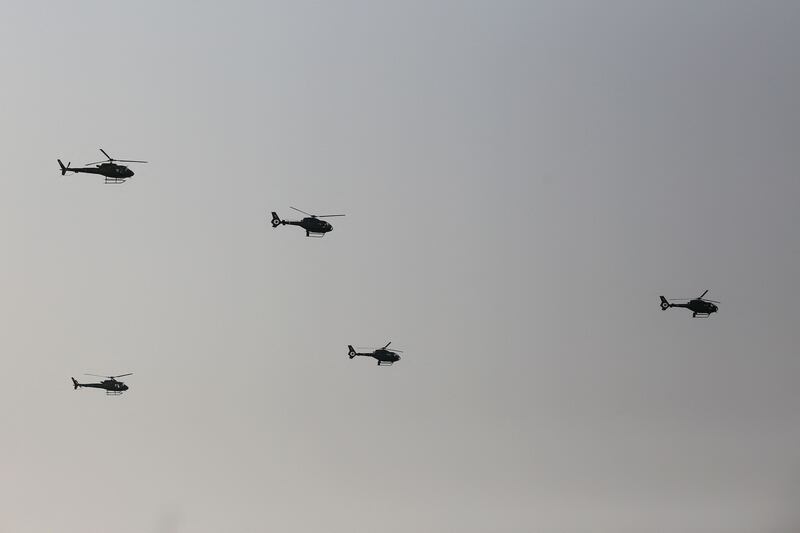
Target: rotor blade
[[97, 375], [701, 296], [130, 160], [326, 216], [300, 210], [387, 345], [105, 154], [396, 350], [122, 375], [96, 163], [712, 301]]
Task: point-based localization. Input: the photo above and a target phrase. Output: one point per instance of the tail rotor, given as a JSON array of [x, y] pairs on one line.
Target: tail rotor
[[351, 352]]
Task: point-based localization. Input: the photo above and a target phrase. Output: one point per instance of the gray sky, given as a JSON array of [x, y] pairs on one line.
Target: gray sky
[[522, 180]]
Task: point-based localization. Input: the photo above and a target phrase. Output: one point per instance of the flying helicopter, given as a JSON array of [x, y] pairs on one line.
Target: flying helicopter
[[110, 384], [384, 356], [113, 173], [699, 306], [312, 224]]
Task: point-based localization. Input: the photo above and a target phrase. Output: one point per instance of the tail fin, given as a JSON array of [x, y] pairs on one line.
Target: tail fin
[[664, 304], [64, 168], [276, 220], [352, 352], [75, 384]]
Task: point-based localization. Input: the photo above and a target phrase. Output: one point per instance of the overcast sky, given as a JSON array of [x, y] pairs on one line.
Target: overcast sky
[[521, 180]]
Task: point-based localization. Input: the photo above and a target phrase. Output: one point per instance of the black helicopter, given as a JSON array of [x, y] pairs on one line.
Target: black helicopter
[[312, 223], [113, 173], [698, 306], [110, 384], [384, 356]]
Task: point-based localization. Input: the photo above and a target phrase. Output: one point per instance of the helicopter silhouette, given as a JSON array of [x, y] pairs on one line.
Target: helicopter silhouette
[[699, 306], [312, 223], [110, 385], [384, 356], [113, 173]]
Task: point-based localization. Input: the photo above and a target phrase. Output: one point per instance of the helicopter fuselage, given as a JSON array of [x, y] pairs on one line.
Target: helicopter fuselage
[[383, 356], [697, 306], [310, 224], [108, 170], [701, 307], [109, 385], [113, 172]]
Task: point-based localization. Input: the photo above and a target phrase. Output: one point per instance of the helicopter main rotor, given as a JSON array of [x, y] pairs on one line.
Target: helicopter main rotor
[[314, 216], [110, 377], [111, 160]]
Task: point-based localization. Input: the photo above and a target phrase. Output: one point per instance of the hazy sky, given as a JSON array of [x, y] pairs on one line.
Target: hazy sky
[[522, 180]]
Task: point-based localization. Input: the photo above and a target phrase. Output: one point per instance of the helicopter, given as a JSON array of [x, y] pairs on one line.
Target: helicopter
[[698, 306], [113, 173], [312, 223], [384, 356], [110, 384]]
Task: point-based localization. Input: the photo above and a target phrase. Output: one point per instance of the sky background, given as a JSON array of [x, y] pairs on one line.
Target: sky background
[[521, 180]]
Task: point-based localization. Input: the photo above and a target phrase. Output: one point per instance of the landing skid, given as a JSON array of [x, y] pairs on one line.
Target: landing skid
[[314, 234], [115, 180], [701, 315], [113, 393], [385, 363]]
